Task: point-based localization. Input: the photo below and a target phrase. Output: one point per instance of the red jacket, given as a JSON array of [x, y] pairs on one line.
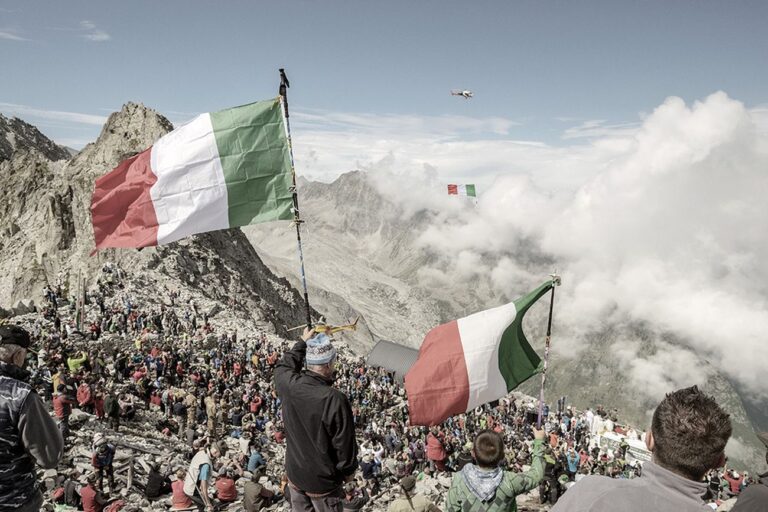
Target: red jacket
[[90, 503], [62, 406], [84, 395], [225, 489], [435, 449]]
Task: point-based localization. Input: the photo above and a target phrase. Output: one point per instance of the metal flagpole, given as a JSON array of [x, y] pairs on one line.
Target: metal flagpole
[[555, 282], [284, 85]]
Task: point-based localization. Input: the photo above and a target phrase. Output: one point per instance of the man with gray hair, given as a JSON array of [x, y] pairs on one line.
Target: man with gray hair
[[28, 434], [321, 452]]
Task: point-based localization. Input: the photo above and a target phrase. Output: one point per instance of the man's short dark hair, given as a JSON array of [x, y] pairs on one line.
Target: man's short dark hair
[[690, 432], [489, 449]]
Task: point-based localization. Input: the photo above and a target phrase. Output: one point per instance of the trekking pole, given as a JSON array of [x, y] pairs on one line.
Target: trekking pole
[[284, 85], [555, 282]]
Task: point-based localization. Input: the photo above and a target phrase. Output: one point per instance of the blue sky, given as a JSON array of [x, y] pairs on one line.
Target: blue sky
[[553, 72]]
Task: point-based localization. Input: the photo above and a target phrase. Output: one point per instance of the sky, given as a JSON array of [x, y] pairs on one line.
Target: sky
[[370, 78]]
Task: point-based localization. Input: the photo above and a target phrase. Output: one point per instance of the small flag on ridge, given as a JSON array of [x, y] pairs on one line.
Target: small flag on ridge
[[462, 190], [472, 361], [220, 170]]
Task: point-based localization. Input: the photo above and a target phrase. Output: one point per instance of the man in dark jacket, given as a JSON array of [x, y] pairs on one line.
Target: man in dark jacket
[[687, 438], [321, 449], [28, 434]]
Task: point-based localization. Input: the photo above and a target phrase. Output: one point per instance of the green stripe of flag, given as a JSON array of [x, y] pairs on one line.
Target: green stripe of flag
[[255, 156], [517, 360], [471, 191]]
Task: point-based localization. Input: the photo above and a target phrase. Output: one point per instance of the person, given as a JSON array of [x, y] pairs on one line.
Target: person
[[226, 492], [62, 408], [755, 497], [354, 500], [28, 434], [255, 495], [321, 452], [411, 502], [485, 485], [198, 478], [94, 500], [103, 456], [158, 483], [687, 438], [179, 499]]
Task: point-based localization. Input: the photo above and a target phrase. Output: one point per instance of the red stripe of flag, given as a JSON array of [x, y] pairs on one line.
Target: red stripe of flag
[[438, 383], [453, 190], [122, 210]]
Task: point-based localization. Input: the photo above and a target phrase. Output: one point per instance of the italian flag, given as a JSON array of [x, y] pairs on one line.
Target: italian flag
[[462, 190], [220, 170], [472, 361]]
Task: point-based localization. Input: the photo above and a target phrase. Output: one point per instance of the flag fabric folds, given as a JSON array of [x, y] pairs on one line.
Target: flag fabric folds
[[472, 361], [462, 190], [220, 170]]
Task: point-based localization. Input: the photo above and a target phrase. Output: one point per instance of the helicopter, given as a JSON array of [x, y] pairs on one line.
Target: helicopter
[[466, 94], [322, 327]]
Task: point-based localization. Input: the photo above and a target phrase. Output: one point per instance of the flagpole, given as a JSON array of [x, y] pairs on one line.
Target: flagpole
[[555, 282], [284, 85]]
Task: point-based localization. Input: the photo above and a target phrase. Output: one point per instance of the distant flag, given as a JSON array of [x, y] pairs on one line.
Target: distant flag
[[220, 170], [472, 361], [462, 190]]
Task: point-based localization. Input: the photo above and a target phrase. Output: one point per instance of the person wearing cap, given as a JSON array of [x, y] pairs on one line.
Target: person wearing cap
[[354, 500], [101, 460], [321, 452], [28, 434], [199, 475], [410, 501], [158, 483]]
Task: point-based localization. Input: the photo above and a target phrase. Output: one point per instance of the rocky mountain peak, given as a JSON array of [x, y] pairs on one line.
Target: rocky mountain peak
[[17, 136]]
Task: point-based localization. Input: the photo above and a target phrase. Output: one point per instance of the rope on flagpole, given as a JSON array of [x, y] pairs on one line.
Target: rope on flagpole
[[284, 85], [555, 282]]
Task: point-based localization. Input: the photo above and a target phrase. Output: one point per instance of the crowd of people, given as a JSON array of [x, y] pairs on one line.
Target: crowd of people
[[232, 396]]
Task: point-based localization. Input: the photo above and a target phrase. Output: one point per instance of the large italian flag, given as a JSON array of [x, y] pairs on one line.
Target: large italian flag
[[471, 361], [218, 171]]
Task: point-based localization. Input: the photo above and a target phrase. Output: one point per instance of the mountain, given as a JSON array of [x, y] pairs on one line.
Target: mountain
[[364, 257], [16, 136], [46, 235]]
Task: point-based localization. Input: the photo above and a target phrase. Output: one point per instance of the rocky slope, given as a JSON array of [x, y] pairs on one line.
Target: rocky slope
[[46, 235], [17, 136], [363, 258]]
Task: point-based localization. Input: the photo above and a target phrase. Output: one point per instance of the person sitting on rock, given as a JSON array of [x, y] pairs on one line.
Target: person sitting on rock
[[486, 486], [226, 492], [95, 500], [410, 501], [179, 500], [158, 483], [255, 495], [354, 499]]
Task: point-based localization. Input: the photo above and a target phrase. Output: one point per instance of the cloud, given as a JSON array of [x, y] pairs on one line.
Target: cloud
[[663, 224], [53, 115], [598, 128], [11, 35], [93, 33]]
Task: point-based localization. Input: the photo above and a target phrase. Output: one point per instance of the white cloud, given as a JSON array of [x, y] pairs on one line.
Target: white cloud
[[93, 33], [55, 115], [596, 128], [11, 35]]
